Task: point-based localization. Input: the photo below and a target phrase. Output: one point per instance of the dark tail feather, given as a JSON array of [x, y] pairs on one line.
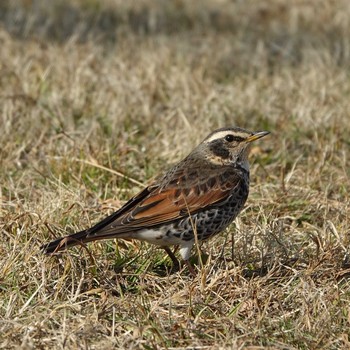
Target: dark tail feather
[[65, 242]]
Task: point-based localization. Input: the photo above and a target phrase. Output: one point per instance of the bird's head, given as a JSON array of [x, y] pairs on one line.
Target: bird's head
[[230, 146]]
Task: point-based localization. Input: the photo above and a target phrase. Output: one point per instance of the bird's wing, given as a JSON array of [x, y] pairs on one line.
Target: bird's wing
[[158, 205]]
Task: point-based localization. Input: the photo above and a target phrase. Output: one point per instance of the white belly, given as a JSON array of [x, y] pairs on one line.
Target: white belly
[[157, 237]]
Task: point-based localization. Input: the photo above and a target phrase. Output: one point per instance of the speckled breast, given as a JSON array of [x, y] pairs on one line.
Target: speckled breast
[[212, 220]]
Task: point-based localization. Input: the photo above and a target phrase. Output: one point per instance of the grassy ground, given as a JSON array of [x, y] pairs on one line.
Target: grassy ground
[[97, 97]]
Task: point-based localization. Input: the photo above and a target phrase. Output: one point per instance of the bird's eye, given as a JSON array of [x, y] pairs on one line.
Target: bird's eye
[[229, 138]]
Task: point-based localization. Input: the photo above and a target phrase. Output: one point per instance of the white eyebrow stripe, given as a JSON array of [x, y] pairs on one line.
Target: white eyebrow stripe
[[222, 134]]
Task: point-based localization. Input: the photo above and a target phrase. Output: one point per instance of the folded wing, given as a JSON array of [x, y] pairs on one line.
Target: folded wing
[[157, 205]]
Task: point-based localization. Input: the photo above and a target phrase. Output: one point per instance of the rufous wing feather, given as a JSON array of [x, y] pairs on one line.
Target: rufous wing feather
[[165, 204]]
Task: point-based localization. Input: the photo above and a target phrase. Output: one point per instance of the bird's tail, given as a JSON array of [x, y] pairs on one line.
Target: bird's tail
[[65, 242]]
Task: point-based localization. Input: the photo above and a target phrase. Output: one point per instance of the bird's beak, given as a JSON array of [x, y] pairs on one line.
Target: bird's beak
[[257, 135]]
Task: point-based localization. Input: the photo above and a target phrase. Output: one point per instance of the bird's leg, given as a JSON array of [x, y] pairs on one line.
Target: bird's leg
[[176, 262], [190, 268], [172, 257]]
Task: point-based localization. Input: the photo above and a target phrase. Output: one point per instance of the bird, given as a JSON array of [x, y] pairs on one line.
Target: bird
[[194, 200]]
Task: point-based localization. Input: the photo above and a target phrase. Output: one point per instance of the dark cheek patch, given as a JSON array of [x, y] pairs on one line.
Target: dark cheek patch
[[219, 149]]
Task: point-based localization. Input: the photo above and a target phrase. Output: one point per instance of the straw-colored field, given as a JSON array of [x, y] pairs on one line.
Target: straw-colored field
[[98, 97]]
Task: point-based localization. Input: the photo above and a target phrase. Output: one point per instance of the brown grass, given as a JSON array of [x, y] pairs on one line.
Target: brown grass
[[98, 96]]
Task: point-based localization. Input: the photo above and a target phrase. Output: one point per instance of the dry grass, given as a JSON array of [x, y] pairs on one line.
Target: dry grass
[[92, 87]]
